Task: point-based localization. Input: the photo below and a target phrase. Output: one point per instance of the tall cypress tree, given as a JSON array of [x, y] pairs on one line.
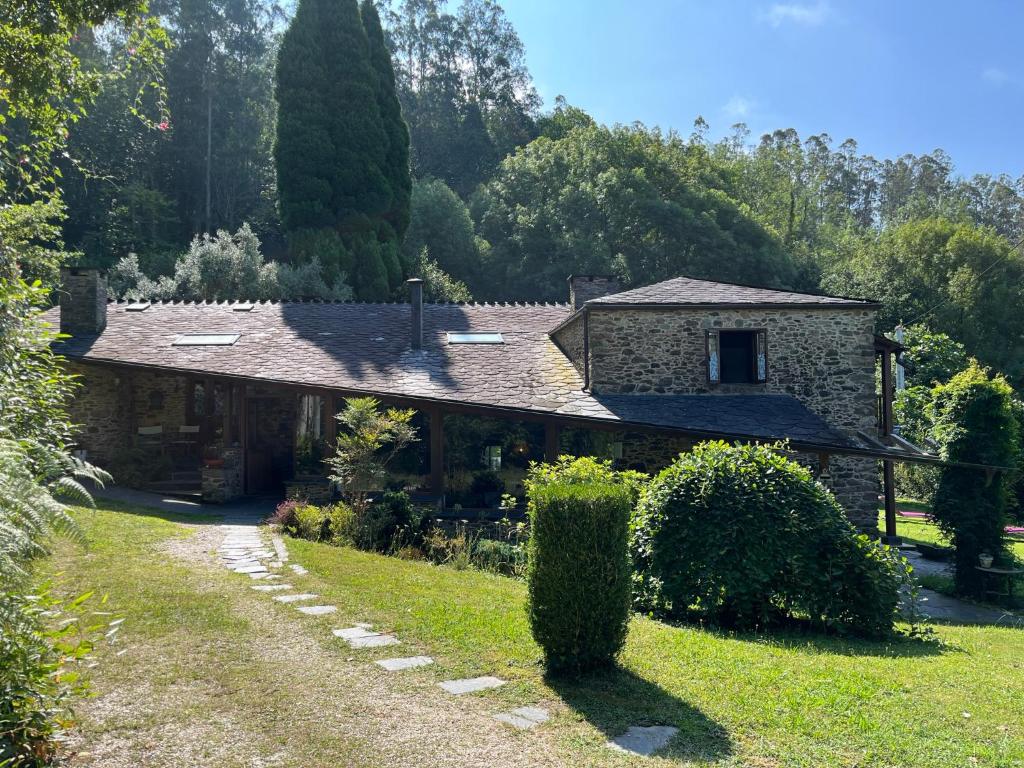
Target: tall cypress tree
[[396, 167], [332, 148]]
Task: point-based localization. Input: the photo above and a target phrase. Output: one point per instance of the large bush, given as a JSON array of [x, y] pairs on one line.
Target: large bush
[[742, 537], [974, 422], [578, 569]]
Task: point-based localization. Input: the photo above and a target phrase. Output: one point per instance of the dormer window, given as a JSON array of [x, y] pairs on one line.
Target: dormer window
[[737, 357]]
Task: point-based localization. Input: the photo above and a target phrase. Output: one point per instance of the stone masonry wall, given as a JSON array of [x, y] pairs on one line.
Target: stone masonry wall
[[569, 338], [114, 402], [822, 357]]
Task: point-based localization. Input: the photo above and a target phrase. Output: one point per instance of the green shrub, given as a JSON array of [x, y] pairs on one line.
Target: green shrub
[[578, 570], [974, 421], [311, 522], [741, 536], [341, 520], [501, 557]]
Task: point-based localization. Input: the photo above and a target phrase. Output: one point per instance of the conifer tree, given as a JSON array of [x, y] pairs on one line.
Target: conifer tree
[[332, 147], [396, 168]]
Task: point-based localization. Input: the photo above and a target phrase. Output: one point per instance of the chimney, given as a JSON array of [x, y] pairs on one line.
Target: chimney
[[583, 288], [83, 301], [416, 301]]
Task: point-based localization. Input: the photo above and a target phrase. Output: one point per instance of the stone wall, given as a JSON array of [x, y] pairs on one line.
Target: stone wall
[[822, 357], [83, 301], [113, 403], [583, 288], [569, 339]]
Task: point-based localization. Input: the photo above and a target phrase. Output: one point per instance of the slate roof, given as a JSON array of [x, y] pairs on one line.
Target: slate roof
[[365, 348], [688, 290]]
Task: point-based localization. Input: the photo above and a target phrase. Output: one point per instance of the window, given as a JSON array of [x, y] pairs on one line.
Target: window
[[492, 457], [737, 357], [488, 337], [138, 306], [206, 339]]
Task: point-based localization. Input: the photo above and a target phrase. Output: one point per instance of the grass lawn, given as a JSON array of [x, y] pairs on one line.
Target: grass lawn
[[915, 529], [207, 655]]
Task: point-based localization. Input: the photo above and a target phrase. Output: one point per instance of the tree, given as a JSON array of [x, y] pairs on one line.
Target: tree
[[627, 201], [974, 422], [333, 145], [225, 267], [369, 440], [397, 159], [441, 223]]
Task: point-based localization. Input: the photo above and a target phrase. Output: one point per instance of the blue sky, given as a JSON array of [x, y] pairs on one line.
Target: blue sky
[[897, 76]]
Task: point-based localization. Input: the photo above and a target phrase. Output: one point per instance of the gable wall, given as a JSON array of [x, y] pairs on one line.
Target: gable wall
[[822, 357]]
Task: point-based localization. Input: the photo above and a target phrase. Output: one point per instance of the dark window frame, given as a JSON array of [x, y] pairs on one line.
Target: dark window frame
[[758, 361]]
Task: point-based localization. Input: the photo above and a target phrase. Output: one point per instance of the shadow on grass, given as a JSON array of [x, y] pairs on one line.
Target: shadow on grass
[[615, 699], [169, 515]]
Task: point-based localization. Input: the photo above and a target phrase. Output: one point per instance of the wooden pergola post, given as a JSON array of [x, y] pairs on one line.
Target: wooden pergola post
[[888, 469], [552, 435], [437, 450]]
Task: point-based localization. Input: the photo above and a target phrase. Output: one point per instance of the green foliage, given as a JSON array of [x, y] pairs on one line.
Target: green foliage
[[578, 570], [369, 439], [341, 149], [227, 267], [441, 224], [974, 422], [932, 358], [502, 557], [911, 409], [396, 168], [438, 285], [741, 536], [624, 201]]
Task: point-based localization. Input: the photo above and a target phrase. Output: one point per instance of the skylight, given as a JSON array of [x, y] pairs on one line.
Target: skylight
[[488, 337], [138, 306], [206, 339], [243, 307]]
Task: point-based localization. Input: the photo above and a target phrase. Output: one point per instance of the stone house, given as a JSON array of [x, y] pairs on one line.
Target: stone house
[[236, 393]]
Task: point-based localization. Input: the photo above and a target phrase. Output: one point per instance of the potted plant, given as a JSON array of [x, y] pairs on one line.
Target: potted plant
[[488, 487], [985, 560], [213, 457]]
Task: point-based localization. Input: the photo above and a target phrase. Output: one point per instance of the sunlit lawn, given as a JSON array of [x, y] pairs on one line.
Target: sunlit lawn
[[739, 700]]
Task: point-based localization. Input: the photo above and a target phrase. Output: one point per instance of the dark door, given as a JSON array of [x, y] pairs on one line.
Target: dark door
[[269, 459]]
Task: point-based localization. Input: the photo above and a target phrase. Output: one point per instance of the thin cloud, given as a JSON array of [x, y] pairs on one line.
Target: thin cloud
[[995, 76], [738, 108], [795, 13]]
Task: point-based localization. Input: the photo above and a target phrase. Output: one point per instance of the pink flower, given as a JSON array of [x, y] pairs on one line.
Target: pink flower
[[163, 125], [131, 51]]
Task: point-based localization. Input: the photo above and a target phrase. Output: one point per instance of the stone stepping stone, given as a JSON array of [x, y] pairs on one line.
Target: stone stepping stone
[[317, 610], [645, 741], [270, 587], [359, 630], [524, 718], [294, 598], [264, 575], [409, 662], [250, 569], [298, 569], [374, 640], [471, 684], [279, 547], [276, 564]]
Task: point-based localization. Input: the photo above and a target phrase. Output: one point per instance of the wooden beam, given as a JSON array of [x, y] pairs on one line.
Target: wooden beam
[[887, 392], [552, 435], [889, 489], [243, 434], [823, 464], [437, 450], [330, 425], [228, 431]]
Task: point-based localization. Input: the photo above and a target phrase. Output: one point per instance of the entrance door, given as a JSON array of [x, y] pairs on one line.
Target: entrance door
[[269, 457]]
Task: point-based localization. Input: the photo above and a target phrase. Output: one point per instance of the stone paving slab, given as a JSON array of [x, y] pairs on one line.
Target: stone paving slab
[[298, 569], [279, 547], [270, 587], [645, 741], [317, 610], [409, 662], [471, 684], [295, 598], [373, 641], [524, 718], [264, 576], [250, 569], [353, 632]]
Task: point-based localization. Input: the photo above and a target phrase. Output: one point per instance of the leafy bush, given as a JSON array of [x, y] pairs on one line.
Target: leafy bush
[[388, 524], [578, 569], [502, 557], [284, 513], [742, 536], [136, 467], [974, 422], [487, 481]]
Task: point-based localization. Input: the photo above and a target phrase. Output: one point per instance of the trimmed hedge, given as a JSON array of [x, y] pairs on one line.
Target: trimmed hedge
[[578, 568], [742, 537]]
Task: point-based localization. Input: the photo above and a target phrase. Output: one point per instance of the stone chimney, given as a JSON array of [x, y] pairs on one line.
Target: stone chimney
[[416, 303], [83, 301], [583, 288]]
